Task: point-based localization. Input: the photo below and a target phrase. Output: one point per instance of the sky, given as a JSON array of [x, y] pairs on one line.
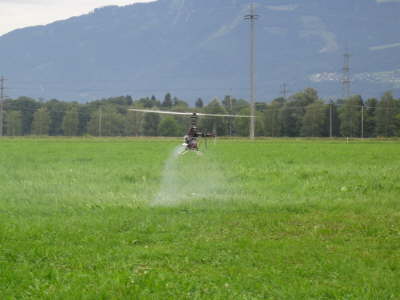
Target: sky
[[16, 14]]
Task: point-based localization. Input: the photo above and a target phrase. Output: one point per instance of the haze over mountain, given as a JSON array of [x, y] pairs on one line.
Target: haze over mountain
[[200, 48]]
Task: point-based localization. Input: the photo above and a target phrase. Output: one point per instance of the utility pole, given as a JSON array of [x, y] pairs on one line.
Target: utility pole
[[313, 122], [100, 119], [230, 119], [284, 90], [252, 17], [346, 81], [330, 119], [362, 121], [1, 105]]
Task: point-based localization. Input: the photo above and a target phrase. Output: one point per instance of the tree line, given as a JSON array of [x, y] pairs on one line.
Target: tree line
[[303, 114]]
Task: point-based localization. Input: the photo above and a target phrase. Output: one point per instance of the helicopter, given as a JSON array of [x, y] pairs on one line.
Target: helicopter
[[191, 139]]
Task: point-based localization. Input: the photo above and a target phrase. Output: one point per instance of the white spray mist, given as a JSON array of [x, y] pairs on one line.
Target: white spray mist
[[190, 177]]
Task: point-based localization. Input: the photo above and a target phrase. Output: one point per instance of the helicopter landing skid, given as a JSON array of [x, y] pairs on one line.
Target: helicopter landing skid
[[198, 152]]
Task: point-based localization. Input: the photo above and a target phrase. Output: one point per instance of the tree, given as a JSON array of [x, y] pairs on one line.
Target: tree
[[105, 121], [70, 123], [120, 101], [84, 113], [41, 122], [199, 103], [134, 122], [238, 105], [154, 101], [350, 116], [151, 124], [13, 123], [292, 113], [398, 122], [56, 110], [167, 103], [147, 102], [386, 112], [370, 117], [27, 107], [306, 97], [168, 127], [211, 124], [242, 125], [315, 120], [180, 105], [228, 104], [290, 117], [335, 118], [272, 121]]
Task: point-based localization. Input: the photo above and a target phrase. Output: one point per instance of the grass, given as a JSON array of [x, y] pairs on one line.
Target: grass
[[270, 219]]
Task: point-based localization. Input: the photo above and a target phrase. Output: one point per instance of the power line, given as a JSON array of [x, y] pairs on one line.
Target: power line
[[346, 81], [284, 91], [313, 110], [389, 108], [252, 17], [331, 119], [100, 119], [94, 89], [2, 79], [362, 121]]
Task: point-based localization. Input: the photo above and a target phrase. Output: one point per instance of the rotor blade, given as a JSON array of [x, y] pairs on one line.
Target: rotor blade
[[186, 113], [220, 115], [161, 112]]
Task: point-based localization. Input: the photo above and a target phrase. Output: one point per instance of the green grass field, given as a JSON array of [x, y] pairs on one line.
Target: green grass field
[[270, 219]]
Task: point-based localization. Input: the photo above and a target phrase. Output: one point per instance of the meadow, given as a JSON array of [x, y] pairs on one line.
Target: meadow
[[270, 219]]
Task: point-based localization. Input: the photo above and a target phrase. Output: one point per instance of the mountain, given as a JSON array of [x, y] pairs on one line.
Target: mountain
[[200, 48]]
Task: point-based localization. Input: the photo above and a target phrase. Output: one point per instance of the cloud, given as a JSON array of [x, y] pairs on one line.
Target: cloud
[[383, 47], [387, 1], [314, 26], [16, 14], [390, 77], [282, 7], [226, 29]]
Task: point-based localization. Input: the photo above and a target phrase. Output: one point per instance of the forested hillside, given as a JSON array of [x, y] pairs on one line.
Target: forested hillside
[[302, 114], [183, 46]]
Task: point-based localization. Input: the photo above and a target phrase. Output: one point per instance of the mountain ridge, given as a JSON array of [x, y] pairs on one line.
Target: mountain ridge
[[198, 48]]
